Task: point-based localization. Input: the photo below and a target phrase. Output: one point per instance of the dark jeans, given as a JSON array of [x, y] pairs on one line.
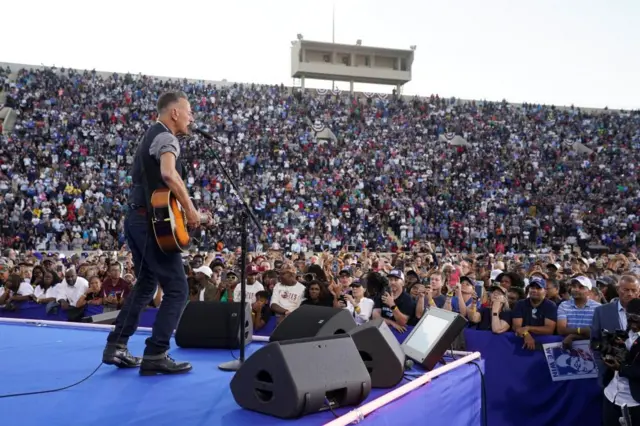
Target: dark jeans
[[611, 414], [152, 267]]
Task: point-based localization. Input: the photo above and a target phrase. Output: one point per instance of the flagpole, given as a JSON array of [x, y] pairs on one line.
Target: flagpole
[[333, 35]]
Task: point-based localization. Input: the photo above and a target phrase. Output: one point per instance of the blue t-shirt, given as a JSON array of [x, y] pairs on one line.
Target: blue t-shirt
[[535, 317], [456, 308]]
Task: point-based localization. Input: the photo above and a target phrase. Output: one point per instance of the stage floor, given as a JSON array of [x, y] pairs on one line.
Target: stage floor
[[36, 358]]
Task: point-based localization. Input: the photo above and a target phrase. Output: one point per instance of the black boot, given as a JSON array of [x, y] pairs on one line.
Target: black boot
[[118, 355], [162, 364]]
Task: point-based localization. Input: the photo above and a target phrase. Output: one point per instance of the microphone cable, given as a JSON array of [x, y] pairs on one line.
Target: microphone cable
[[40, 392]]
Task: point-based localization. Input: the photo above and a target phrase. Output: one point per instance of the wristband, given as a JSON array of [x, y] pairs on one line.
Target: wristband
[[525, 334], [578, 330], [495, 314], [394, 307]]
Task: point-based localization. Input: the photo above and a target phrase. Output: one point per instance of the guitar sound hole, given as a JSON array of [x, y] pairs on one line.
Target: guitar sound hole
[[161, 214]]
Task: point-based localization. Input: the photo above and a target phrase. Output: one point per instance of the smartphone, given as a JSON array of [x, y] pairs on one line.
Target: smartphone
[[455, 278], [387, 289]]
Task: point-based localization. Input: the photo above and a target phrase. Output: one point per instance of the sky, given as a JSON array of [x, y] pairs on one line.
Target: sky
[[562, 52]]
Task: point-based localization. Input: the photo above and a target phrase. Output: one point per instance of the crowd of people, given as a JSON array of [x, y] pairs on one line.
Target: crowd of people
[[387, 180]]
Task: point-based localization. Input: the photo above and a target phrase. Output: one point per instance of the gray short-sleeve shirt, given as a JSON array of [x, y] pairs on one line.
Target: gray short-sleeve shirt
[[164, 142]]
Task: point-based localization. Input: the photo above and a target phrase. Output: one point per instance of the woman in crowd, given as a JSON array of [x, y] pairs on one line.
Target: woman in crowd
[[360, 306], [45, 291], [317, 293], [497, 317]]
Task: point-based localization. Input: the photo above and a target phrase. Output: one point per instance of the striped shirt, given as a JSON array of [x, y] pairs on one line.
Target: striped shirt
[[577, 317]]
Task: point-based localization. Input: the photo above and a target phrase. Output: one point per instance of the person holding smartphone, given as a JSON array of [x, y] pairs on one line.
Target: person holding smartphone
[[394, 304], [622, 376]]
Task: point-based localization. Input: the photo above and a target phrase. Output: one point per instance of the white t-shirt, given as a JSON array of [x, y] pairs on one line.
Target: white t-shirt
[[366, 309], [288, 297], [72, 293], [25, 289], [251, 292], [40, 293]]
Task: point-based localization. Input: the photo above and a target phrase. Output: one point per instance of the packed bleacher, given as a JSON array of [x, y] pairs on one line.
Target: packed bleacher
[[528, 176], [501, 228]]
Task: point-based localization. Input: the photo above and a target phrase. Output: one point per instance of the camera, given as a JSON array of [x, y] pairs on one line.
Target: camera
[[611, 345]]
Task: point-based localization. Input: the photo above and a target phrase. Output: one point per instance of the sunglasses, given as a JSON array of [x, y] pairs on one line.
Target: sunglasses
[[633, 317]]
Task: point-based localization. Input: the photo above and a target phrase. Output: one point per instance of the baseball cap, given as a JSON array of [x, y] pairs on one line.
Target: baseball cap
[[345, 271], [538, 282], [356, 283], [499, 288], [396, 274], [605, 280], [205, 270], [252, 270], [583, 281], [414, 273], [466, 279], [495, 274]]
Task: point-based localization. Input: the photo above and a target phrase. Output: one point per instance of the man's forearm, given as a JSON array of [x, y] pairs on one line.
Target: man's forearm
[[541, 330], [399, 317], [278, 309], [178, 188]]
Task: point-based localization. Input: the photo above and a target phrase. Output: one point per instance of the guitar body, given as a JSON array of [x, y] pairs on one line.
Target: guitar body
[[169, 222]]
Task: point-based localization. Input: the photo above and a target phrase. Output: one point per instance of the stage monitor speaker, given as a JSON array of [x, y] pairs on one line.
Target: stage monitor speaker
[[313, 321], [293, 378], [433, 336], [381, 353], [108, 318], [213, 325]]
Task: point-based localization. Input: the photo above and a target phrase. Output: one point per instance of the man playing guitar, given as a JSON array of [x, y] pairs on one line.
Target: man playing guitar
[[156, 165]]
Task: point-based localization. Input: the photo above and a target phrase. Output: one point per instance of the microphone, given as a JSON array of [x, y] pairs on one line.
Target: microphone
[[206, 135]]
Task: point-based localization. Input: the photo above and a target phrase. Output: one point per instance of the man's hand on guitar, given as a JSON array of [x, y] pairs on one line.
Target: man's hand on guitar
[[193, 218], [206, 219]]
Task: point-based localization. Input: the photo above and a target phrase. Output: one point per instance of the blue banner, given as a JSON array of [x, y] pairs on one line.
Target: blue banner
[[520, 390]]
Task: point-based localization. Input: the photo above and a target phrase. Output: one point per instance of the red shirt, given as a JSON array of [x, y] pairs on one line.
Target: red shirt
[[119, 288]]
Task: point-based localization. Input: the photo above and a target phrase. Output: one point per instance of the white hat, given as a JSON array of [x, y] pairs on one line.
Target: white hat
[[584, 281], [205, 270], [495, 274]]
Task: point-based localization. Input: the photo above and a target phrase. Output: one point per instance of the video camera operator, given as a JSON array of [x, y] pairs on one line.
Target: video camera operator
[[620, 357]]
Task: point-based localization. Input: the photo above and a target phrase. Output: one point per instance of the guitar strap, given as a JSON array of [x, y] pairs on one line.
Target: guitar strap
[[147, 196]]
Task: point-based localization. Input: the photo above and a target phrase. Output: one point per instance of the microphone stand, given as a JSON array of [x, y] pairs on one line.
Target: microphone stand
[[245, 215]]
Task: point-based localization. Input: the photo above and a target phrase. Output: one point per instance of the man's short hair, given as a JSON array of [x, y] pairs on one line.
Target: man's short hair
[[628, 278], [169, 98]]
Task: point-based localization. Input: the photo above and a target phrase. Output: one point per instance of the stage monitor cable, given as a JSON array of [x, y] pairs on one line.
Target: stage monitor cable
[[40, 392]]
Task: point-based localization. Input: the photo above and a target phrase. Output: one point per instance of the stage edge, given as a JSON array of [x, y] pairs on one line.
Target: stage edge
[[357, 415]]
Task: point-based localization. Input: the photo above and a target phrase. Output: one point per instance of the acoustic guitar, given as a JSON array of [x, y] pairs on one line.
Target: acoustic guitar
[[169, 222]]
